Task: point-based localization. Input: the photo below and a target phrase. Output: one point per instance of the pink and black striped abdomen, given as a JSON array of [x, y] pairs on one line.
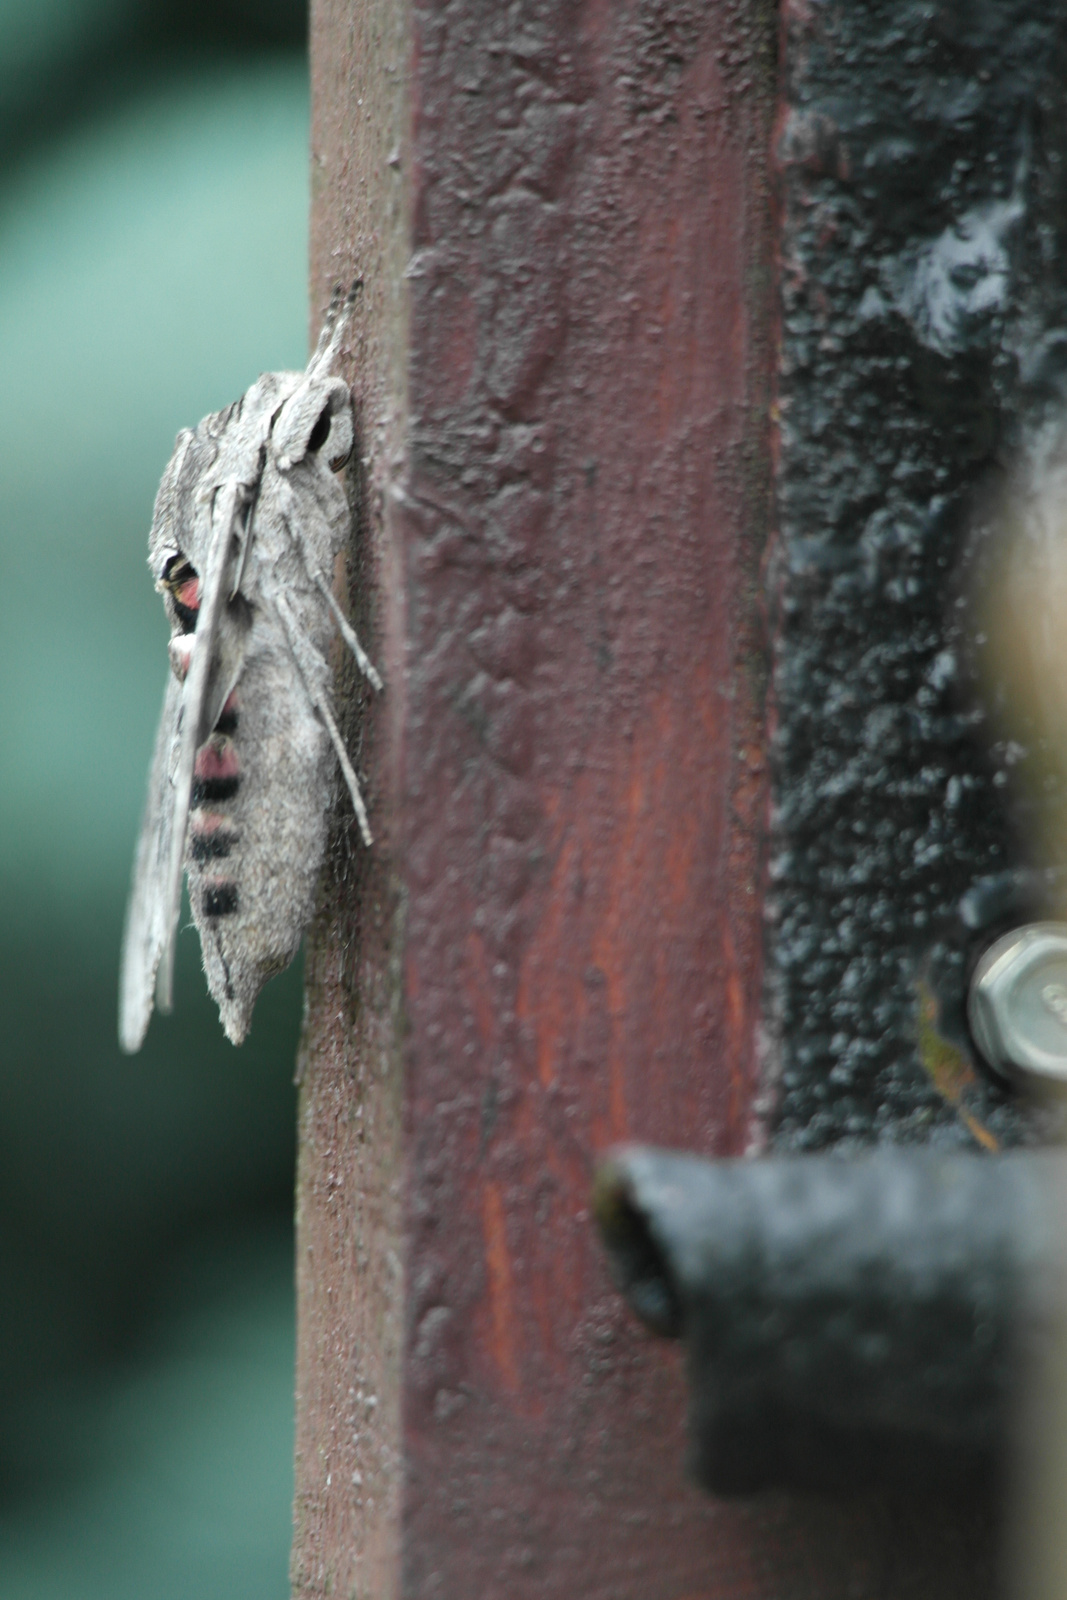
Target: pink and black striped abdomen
[[213, 829], [262, 783]]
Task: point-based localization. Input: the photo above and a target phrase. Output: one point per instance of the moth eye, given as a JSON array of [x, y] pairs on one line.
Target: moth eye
[[321, 431], [174, 568]]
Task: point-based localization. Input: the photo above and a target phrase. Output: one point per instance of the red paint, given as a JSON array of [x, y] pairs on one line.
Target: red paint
[[504, 1325], [561, 369]]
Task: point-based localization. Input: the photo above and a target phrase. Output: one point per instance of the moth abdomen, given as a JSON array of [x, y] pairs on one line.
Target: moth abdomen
[[217, 773], [186, 614], [219, 898], [214, 789], [211, 838]]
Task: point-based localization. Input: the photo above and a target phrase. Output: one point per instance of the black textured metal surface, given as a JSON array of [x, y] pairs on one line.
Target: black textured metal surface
[[924, 334], [847, 1323]]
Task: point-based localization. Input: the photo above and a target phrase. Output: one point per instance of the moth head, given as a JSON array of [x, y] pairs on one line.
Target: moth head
[[316, 421]]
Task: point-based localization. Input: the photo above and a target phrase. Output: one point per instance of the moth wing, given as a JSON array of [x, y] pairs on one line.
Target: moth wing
[[148, 916], [197, 694], [189, 708]]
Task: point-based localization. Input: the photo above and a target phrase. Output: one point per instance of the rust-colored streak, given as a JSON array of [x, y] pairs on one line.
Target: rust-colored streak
[[637, 840], [736, 1034], [502, 1308]]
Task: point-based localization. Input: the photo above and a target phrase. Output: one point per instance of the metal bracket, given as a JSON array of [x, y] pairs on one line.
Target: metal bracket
[[847, 1321]]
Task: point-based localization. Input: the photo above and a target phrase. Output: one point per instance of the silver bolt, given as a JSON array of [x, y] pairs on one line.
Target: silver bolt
[[1017, 1005]]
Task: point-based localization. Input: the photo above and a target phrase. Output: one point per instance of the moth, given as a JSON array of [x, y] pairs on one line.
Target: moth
[[249, 521]]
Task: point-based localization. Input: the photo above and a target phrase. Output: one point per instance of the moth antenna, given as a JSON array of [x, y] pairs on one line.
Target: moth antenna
[[298, 647], [348, 634], [328, 321], [333, 327]]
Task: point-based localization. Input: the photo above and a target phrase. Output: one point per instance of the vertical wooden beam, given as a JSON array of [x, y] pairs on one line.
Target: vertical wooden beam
[[351, 1163], [562, 372]]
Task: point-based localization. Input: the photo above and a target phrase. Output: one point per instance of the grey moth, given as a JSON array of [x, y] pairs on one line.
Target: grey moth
[[249, 522]]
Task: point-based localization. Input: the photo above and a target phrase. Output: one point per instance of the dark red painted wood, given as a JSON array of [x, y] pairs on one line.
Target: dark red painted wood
[[562, 368]]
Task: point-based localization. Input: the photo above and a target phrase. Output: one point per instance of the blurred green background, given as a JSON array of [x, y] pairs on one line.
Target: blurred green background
[[153, 198]]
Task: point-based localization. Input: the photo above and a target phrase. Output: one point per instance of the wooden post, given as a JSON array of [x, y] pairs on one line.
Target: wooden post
[[562, 367]]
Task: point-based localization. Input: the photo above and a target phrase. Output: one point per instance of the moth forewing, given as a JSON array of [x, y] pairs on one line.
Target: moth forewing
[[145, 931], [248, 525], [195, 695]]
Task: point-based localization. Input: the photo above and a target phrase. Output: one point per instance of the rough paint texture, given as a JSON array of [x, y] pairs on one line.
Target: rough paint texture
[[924, 339], [561, 373], [566, 517]]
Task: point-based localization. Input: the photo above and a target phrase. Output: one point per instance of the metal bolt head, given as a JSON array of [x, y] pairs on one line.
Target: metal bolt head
[[1017, 1004]]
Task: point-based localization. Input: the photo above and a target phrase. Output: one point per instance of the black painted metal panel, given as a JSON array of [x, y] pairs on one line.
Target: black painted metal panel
[[924, 340]]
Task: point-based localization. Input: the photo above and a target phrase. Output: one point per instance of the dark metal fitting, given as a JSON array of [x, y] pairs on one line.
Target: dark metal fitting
[[847, 1322]]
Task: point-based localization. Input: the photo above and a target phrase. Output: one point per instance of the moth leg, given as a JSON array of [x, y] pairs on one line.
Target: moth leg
[[348, 634], [310, 667], [322, 706], [345, 628]]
